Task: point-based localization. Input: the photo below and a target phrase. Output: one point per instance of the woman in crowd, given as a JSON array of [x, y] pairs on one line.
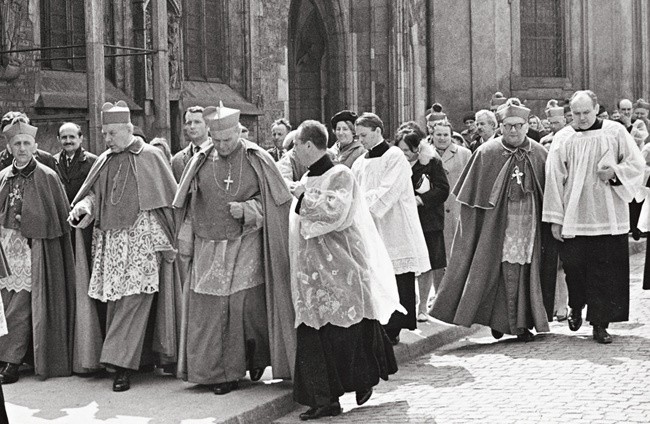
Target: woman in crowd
[[347, 148], [431, 190]]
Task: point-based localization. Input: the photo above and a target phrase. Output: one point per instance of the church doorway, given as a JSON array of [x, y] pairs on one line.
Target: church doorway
[[308, 52]]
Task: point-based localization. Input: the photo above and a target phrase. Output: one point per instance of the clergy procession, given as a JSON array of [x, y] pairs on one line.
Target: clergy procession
[[315, 256]]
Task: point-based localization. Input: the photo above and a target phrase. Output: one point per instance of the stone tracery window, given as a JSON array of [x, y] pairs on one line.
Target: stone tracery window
[[543, 51]]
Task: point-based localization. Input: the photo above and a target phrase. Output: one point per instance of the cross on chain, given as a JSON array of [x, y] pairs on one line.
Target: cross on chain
[[228, 181], [517, 174]]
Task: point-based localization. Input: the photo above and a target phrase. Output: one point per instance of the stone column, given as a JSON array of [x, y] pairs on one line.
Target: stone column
[[161, 126], [95, 72]]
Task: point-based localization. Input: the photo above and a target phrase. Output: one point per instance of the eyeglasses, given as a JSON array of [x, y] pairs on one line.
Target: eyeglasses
[[509, 127]]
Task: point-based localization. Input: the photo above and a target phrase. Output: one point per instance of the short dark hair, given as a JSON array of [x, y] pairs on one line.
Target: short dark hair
[[444, 123], [469, 116], [282, 121], [193, 109], [413, 126], [370, 120], [313, 131], [410, 138], [79, 133]]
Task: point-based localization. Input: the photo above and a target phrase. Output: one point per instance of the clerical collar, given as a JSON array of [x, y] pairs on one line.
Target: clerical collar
[[321, 166], [24, 170], [523, 146], [598, 125], [378, 150]]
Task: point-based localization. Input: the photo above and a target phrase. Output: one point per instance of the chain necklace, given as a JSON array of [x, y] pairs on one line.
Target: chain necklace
[[126, 178], [228, 181]]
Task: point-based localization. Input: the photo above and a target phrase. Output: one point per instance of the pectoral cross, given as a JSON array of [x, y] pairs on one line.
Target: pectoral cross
[[228, 181], [517, 174]]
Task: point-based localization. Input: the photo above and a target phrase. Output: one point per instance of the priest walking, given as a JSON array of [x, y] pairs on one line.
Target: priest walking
[[342, 282], [593, 171], [237, 312]]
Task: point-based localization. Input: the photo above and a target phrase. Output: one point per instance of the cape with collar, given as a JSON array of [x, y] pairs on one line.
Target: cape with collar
[[276, 201], [467, 291], [151, 171], [44, 213]]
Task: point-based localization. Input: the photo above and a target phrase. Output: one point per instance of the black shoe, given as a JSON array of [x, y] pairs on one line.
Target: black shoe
[[225, 388], [9, 373], [601, 335], [496, 334], [256, 374], [121, 381], [526, 336], [575, 319], [331, 410], [363, 396]]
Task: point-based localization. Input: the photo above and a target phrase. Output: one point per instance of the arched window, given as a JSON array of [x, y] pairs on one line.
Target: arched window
[[543, 51], [206, 46]]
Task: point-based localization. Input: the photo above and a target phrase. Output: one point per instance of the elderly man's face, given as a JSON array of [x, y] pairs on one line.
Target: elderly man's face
[[22, 148], [484, 127], [117, 136], [514, 130], [278, 133], [226, 141], [641, 113]]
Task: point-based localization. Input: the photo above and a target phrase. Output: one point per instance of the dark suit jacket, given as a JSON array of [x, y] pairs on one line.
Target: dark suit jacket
[[180, 159], [6, 159], [432, 213], [74, 176]]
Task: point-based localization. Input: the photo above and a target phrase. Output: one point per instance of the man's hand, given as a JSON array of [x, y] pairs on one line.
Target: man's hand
[[605, 173], [78, 211], [236, 210], [556, 230], [298, 190]]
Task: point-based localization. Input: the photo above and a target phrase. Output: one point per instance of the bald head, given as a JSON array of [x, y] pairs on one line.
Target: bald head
[[584, 108]]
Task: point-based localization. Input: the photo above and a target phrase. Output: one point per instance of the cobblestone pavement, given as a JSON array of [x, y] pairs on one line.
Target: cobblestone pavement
[[561, 377]]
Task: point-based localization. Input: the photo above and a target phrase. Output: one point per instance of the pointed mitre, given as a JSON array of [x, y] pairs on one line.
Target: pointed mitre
[[220, 118]]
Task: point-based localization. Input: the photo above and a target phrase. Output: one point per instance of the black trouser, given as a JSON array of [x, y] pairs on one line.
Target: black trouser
[[407, 298], [597, 272]]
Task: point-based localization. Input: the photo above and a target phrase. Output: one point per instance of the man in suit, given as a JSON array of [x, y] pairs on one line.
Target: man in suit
[[196, 131], [73, 160]]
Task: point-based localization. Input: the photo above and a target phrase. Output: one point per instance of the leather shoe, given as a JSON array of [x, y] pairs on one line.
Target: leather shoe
[[601, 335], [331, 410], [256, 374], [363, 396], [496, 334], [225, 388], [121, 382], [9, 373], [575, 319], [526, 336]]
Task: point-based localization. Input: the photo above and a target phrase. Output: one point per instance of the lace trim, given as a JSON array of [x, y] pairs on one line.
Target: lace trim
[[224, 267], [417, 265], [126, 261], [19, 258]]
